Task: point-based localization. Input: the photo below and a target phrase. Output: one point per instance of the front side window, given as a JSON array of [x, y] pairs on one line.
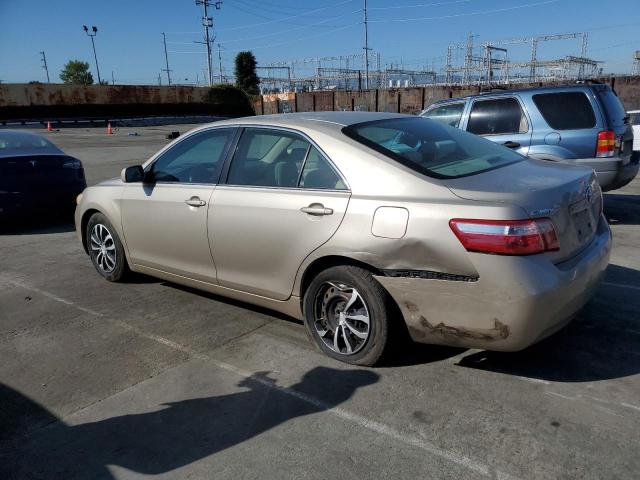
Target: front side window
[[432, 148], [498, 116], [448, 114], [565, 110], [195, 159]]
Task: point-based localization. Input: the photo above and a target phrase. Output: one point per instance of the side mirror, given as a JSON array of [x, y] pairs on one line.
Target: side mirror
[[132, 174]]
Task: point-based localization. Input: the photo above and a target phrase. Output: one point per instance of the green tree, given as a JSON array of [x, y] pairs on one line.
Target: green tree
[[76, 72], [246, 77]]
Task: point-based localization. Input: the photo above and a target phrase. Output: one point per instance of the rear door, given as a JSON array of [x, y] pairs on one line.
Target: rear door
[[282, 199], [501, 120]]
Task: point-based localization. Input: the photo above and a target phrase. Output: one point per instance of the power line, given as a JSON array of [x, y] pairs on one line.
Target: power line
[[456, 15], [344, 2], [393, 7], [292, 29]]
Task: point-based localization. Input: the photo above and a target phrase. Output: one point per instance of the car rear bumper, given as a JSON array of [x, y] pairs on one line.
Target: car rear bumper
[[515, 301], [50, 199], [612, 173]]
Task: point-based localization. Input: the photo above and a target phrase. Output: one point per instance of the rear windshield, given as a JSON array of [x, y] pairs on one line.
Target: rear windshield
[[566, 110], [19, 140], [431, 148], [613, 107]]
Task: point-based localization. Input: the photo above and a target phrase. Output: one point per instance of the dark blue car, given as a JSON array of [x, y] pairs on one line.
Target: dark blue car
[[35, 175]]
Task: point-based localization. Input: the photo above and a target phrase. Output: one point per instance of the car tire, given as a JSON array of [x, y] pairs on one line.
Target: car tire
[[331, 309], [105, 248]]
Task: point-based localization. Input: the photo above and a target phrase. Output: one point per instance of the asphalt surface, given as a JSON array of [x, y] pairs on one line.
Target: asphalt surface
[[146, 378]]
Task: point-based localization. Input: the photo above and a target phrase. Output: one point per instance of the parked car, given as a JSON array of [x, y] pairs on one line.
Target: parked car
[[634, 120], [580, 124], [35, 175], [361, 224]]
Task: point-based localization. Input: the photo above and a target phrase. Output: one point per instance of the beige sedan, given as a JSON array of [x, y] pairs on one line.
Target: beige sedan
[[364, 225]]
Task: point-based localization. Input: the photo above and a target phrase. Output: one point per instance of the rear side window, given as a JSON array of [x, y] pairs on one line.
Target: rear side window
[[432, 148], [613, 107], [319, 174], [497, 117], [448, 114], [566, 110]]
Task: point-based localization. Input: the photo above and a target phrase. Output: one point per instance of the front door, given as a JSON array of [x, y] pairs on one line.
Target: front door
[[165, 218], [501, 120], [282, 200]]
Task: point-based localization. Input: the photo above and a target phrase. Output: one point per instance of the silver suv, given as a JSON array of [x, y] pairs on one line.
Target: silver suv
[[580, 124]]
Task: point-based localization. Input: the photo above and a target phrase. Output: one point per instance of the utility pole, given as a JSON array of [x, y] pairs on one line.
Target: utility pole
[[44, 65], [207, 22], [166, 58], [113, 80], [94, 31], [366, 48], [220, 63]]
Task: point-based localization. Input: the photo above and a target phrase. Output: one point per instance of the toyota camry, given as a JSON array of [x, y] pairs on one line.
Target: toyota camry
[[361, 225]]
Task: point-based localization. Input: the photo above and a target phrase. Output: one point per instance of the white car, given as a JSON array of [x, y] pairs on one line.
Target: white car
[[634, 119]]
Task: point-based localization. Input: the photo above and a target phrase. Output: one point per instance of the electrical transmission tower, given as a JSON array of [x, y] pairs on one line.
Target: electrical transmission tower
[[43, 59], [207, 23]]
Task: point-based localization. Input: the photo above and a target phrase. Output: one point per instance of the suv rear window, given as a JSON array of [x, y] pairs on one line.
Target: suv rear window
[[613, 107], [431, 148], [565, 110]]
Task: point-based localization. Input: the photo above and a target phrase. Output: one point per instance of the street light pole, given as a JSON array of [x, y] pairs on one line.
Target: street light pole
[[94, 31]]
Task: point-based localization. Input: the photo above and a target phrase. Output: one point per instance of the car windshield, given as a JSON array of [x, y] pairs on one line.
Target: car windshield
[[19, 140], [432, 148]]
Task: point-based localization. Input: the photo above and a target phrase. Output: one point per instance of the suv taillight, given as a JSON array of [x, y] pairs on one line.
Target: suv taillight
[[506, 237], [606, 145]]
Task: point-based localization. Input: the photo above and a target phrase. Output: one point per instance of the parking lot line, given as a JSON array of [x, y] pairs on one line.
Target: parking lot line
[[354, 418]]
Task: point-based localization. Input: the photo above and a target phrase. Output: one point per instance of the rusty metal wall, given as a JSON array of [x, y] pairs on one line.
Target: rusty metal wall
[[43, 101], [358, 100], [388, 100], [411, 100]]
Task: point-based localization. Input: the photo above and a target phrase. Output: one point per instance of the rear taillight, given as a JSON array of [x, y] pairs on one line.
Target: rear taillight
[[72, 163], [606, 145], [506, 237]]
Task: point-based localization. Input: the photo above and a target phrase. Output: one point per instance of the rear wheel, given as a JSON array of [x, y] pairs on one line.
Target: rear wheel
[[346, 314], [105, 248]]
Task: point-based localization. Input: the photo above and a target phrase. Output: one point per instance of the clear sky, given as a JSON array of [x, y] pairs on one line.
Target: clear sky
[[414, 32]]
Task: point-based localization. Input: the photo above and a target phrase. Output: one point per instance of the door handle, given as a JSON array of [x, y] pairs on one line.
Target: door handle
[[195, 202], [510, 144], [317, 209]]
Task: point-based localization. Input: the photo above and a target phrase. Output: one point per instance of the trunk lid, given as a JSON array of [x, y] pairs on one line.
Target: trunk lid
[[569, 195], [33, 172]]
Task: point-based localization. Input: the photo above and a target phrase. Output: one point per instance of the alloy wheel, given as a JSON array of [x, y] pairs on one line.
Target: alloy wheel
[[341, 318], [103, 247]]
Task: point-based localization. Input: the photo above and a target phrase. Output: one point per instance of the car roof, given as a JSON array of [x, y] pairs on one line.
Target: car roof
[[313, 120], [546, 89], [13, 136]]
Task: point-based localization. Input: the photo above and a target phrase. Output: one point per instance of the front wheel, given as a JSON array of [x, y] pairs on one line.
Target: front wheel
[[105, 248], [346, 314]]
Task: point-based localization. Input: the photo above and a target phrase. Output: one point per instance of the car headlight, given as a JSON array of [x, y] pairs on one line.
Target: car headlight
[[78, 199]]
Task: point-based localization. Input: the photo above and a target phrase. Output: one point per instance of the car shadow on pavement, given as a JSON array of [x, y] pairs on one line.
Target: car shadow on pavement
[[603, 342], [621, 209], [39, 224], [174, 435]]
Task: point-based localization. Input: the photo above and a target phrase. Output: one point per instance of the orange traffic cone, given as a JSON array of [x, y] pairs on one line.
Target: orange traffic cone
[[49, 129], [109, 129]]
